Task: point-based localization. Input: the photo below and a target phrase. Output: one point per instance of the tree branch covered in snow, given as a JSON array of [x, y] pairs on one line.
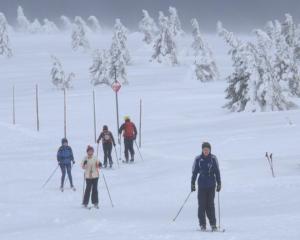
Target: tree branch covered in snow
[[5, 48]]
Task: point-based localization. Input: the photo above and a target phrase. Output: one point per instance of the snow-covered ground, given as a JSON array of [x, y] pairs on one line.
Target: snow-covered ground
[[179, 115]]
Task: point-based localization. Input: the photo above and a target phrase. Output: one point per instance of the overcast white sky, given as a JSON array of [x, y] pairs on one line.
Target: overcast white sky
[[238, 15]]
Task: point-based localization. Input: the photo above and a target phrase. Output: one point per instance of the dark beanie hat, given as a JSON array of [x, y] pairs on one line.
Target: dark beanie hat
[[89, 148], [105, 127], [64, 140], [206, 145]]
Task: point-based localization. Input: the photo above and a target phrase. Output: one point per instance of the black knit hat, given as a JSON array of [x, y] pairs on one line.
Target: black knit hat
[[64, 140], [105, 127], [206, 145]]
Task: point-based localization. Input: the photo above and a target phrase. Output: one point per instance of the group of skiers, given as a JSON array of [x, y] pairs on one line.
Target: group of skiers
[[205, 168], [91, 163]]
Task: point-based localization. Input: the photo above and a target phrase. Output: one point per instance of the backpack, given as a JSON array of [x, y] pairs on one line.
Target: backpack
[[129, 130]]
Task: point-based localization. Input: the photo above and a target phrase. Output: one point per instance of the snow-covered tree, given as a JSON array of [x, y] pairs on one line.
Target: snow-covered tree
[[269, 92], [241, 92], [99, 71], [117, 67], [79, 39], [23, 22], [119, 41], [204, 66], [50, 27], [285, 61], [79, 20], [291, 32], [148, 27], [174, 22], [58, 77], [66, 23], [35, 27], [161, 18], [94, 24], [165, 45], [5, 49]]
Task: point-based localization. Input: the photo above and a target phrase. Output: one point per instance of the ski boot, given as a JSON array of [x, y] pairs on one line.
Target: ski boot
[[214, 228], [202, 228], [61, 189], [96, 206]]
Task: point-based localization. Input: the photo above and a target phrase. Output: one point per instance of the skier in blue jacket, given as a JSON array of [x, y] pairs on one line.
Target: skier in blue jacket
[[65, 158], [209, 180]]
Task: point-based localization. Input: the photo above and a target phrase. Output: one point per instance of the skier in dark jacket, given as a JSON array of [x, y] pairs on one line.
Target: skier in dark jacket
[[209, 180], [129, 133], [107, 142], [65, 158]]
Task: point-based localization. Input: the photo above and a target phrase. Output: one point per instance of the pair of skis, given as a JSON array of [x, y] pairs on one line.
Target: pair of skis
[[90, 207], [270, 161], [222, 230]]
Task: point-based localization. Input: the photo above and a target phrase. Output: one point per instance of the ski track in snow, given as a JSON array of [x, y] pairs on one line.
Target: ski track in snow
[[178, 116]]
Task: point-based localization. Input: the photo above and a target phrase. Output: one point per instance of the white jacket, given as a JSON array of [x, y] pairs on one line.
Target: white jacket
[[91, 169]]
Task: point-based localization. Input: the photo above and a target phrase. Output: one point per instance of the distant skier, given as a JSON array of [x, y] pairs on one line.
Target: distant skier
[[91, 166], [129, 133], [107, 143], [209, 181], [65, 157]]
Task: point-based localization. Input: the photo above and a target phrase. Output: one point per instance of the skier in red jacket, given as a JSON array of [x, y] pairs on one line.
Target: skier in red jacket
[[129, 133]]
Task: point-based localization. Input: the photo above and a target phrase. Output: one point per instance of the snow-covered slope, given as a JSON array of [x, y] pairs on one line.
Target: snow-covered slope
[[179, 115]]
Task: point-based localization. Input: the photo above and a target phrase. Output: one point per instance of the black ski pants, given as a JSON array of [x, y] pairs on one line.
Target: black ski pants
[[129, 148], [206, 206], [91, 186], [107, 149]]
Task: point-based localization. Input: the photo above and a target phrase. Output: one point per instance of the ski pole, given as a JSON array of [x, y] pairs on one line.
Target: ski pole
[[117, 156], [83, 187], [120, 143], [49, 178], [112, 205], [97, 150], [219, 211], [139, 150], [185, 201]]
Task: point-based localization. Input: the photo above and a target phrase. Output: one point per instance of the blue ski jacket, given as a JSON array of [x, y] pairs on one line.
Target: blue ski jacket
[[207, 168], [65, 155]]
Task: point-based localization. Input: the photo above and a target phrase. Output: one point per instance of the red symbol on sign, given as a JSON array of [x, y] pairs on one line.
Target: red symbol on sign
[[116, 86]]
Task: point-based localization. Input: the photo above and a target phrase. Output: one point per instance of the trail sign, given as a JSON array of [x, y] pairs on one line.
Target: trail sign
[[116, 86]]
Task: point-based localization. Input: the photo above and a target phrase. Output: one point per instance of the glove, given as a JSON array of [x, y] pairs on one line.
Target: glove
[[218, 188], [114, 144], [98, 141], [193, 188], [73, 162], [134, 138], [85, 162], [100, 165]]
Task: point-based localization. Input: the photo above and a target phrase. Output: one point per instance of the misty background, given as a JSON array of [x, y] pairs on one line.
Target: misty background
[[237, 15]]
